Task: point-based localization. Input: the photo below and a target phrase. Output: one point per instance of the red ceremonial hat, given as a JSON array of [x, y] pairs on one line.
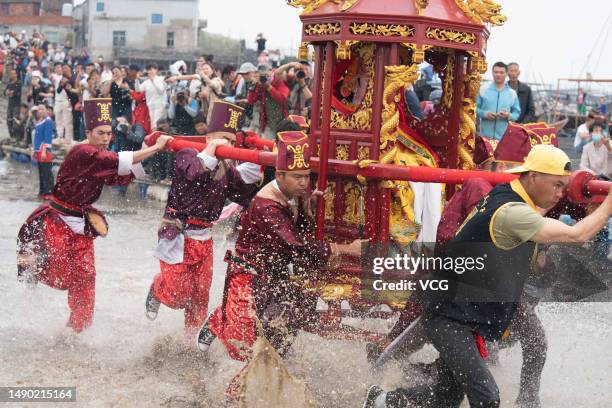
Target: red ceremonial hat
[[300, 120], [518, 140], [97, 112], [225, 117], [541, 133], [484, 149], [293, 151]]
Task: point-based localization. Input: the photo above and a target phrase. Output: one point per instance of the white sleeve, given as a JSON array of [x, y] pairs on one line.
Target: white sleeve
[[210, 162], [126, 160], [249, 172]]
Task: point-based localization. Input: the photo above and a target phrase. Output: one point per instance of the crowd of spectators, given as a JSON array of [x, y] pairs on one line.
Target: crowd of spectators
[[144, 98]]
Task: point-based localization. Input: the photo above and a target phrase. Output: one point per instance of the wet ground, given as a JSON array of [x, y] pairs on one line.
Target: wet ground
[[124, 360]]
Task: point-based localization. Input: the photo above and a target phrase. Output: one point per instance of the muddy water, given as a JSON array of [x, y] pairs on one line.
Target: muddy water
[[124, 360]]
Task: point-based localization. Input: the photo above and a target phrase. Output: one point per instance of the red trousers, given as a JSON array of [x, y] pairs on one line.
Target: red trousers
[[71, 268], [187, 285], [236, 329]]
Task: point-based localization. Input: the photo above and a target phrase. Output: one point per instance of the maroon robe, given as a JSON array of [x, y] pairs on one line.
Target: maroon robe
[[197, 196], [271, 237], [84, 172], [49, 251], [199, 193]]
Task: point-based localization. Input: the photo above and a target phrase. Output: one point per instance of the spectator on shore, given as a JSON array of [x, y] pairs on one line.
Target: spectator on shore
[[120, 95], [261, 43], [269, 97], [523, 91], [43, 135], [154, 88], [230, 80], [597, 154], [301, 95], [199, 123], [602, 107], [581, 102], [183, 109], [13, 92], [583, 133], [62, 108], [497, 104]]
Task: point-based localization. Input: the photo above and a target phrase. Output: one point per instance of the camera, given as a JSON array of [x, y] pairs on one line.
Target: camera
[[122, 128], [263, 79], [300, 74], [181, 97]]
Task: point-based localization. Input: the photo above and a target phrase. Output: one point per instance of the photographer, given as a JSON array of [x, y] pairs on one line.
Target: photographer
[[205, 84], [300, 96], [183, 109], [127, 138], [120, 94], [269, 95]]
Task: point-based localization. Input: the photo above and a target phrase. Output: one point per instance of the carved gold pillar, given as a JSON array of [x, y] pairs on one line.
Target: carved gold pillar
[[467, 127]]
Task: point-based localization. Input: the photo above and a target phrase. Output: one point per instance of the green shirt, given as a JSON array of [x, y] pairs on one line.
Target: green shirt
[[515, 223]]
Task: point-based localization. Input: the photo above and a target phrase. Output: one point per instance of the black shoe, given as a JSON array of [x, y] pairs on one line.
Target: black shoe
[[205, 336], [373, 393], [151, 305]]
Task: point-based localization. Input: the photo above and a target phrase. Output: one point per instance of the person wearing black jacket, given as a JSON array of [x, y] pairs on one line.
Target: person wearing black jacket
[[13, 91], [524, 94], [182, 111]]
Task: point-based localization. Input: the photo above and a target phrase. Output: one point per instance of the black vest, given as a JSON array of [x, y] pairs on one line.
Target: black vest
[[484, 299]]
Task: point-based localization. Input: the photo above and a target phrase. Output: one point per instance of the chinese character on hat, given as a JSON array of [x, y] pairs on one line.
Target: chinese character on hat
[[293, 151], [97, 112], [518, 141], [225, 117]]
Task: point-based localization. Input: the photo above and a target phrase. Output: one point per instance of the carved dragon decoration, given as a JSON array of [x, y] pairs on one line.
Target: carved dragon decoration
[[482, 11], [311, 5]]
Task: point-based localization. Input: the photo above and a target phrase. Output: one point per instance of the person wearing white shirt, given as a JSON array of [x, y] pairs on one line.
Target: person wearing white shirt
[[154, 88], [583, 136], [597, 155], [62, 108]]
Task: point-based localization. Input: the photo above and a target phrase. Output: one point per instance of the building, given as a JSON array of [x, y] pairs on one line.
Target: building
[[115, 28], [44, 16]]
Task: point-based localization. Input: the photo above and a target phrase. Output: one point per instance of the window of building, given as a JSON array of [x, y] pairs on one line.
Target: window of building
[[118, 38], [100, 7], [157, 18], [170, 39]]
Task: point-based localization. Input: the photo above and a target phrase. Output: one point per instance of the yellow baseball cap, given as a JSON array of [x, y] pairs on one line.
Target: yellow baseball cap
[[546, 159]]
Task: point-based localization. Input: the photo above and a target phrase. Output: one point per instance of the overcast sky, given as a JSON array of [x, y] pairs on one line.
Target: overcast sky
[[551, 38]]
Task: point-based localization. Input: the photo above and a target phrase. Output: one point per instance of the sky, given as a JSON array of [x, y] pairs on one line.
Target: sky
[[548, 38]]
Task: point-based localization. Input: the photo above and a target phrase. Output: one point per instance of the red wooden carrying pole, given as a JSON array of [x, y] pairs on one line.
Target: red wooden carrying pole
[[581, 182], [248, 139], [598, 187], [227, 152]]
